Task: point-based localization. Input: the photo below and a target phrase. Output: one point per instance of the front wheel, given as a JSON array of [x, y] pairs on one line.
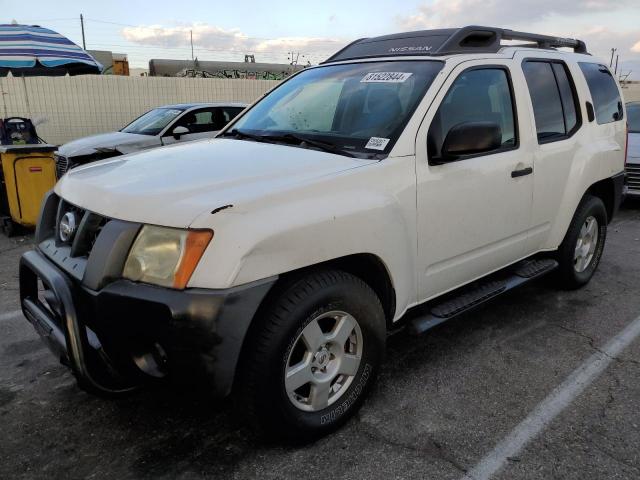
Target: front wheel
[[313, 355], [580, 251]]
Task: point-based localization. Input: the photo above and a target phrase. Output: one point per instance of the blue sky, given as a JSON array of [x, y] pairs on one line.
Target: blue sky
[[271, 28]]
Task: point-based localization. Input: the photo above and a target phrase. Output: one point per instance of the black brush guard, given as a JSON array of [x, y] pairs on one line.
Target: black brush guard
[[53, 314]]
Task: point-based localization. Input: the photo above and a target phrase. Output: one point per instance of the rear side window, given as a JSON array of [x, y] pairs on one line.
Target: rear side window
[[477, 95], [553, 98], [567, 95], [633, 117], [604, 92]]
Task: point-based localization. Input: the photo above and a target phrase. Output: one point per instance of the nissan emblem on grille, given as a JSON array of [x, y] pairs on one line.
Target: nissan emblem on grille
[[67, 227]]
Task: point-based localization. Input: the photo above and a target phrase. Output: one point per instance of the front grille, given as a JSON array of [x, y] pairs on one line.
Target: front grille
[[88, 227], [62, 165], [633, 177]]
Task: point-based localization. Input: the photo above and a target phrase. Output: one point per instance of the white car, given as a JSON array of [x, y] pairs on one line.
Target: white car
[[161, 126], [404, 181]]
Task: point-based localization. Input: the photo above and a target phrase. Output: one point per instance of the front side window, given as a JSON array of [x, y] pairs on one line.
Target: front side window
[[360, 108], [229, 113], [200, 121], [478, 95], [553, 98], [153, 122], [604, 92]]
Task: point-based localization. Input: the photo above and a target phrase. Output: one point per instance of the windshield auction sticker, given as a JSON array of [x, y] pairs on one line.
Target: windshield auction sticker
[[386, 77], [377, 143]]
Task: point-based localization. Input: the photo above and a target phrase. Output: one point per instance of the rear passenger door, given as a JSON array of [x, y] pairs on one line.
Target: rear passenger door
[[474, 212], [554, 110]]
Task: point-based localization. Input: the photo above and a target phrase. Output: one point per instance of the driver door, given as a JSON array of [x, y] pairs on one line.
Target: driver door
[[474, 212]]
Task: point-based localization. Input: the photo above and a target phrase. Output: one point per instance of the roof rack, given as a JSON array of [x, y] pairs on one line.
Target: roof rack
[[449, 41]]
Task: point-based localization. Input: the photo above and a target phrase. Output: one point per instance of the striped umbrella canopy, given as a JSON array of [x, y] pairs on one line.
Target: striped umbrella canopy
[[33, 50]]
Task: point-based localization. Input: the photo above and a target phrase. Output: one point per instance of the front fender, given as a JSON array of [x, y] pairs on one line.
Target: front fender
[[365, 210]]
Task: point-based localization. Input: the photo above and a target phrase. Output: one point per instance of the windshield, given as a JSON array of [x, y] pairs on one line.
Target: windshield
[[357, 108], [153, 122], [633, 117]]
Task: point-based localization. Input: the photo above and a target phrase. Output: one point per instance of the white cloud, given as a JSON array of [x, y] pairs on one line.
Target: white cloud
[[451, 13], [569, 18], [215, 38]]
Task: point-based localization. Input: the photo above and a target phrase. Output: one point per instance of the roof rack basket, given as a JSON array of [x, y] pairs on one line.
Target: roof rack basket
[[450, 41]]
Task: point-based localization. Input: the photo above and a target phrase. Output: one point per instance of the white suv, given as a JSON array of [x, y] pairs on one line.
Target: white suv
[[404, 181]]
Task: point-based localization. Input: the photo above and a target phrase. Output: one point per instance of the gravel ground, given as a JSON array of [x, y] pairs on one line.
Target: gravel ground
[[442, 402]]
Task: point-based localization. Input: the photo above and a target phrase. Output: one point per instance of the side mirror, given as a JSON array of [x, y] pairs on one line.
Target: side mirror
[[179, 131], [470, 138]]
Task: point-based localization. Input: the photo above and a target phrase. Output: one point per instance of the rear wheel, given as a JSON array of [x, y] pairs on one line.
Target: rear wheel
[[310, 361], [580, 252]]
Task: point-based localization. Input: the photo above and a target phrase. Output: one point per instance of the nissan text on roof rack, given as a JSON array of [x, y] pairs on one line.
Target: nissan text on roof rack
[[404, 181]]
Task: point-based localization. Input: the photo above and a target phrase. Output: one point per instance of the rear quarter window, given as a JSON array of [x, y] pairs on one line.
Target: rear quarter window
[[604, 92]]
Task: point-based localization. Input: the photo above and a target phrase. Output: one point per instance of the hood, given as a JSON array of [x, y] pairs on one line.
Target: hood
[[633, 152], [126, 142], [172, 185]]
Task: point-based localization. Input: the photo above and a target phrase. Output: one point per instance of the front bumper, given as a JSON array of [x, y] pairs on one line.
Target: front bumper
[[125, 333]]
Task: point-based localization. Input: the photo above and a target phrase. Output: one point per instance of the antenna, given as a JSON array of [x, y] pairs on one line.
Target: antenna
[[84, 45]]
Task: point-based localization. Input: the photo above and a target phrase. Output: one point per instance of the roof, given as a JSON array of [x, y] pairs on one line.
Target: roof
[[26, 47], [448, 41], [187, 106]]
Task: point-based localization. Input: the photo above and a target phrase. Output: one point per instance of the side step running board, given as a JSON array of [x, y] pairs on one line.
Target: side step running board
[[469, 297]]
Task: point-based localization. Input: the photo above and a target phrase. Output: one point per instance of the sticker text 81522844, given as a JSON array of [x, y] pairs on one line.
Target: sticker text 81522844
[[386, 77], [377, 143]]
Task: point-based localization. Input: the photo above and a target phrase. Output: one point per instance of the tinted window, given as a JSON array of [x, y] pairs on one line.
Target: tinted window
[[229, 113], [198, 121], [604, 92], [545, 97], [476, 96], [633, 117], [567, 96]]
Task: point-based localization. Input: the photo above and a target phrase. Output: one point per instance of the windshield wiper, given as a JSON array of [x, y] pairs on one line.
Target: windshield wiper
[[325, 146], [240, 134], [290, 138]]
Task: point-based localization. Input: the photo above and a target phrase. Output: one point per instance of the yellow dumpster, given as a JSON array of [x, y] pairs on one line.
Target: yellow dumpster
[[28, 172]]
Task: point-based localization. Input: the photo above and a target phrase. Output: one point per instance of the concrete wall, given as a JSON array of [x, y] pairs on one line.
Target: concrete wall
[[85, 105], [631, 92], [79, 106]]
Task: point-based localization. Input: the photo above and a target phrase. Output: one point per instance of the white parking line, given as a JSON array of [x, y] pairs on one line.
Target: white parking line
[[551, 406], [10, 315]]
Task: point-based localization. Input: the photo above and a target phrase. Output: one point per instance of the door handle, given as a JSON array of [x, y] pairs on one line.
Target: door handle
[[522, 173]]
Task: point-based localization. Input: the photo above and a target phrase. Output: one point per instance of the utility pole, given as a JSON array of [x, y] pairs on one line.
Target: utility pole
[[294, 62], [191, 34], [613, 51], [615, 71], [84, 45]]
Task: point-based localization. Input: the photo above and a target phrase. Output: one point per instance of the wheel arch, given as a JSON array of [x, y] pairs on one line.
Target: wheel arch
[[605, 190], [368, 267]]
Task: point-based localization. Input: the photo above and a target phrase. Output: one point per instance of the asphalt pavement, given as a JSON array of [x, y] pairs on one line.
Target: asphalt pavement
[[531, 386]]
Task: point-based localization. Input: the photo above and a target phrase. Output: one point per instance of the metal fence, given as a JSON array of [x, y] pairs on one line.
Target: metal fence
[[75, 107]]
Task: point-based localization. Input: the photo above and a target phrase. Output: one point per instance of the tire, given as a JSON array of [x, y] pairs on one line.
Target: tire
[[576, 269], [282, 338]]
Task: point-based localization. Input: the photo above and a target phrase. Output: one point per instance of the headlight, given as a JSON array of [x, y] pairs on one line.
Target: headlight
[[165, 256]]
